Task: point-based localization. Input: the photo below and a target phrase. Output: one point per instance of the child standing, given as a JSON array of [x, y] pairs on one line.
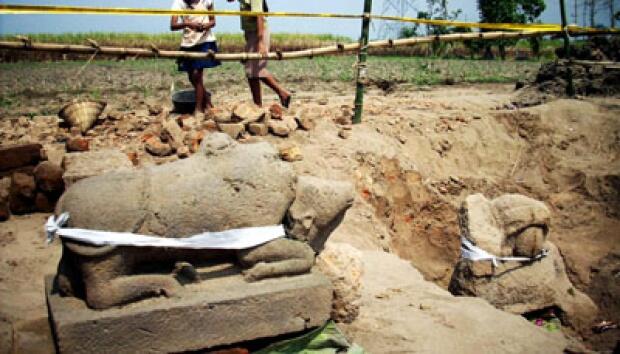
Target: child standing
[[197, 37], [257, 41]]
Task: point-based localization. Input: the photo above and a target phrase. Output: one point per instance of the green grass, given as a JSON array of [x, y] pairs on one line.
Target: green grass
[[413, 70]]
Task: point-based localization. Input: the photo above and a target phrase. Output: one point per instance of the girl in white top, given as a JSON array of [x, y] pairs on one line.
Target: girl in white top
[[197, 37]]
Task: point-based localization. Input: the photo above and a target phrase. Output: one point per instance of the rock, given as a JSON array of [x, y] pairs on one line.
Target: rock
[[16, 156], [194, 139], [188, 123], [43, 203], [183, 152], [517, 212], [279, 128], [115, 115], [344, 133], [77, 144], [6, 337], [22, 193], [49, 178], [305, 122], [519, 289], [311, 216], [218, 115], [291, 123], [276, 111], [478, 224], [172, 133], [5, 192], [259, 129], [247, 113], [233, 130], [33, 336], [225, 185], [209, 125], [497, 226], [80, 165], [343, 265], [194, 320], [154, 146], [400, 311], [291, 153], [155, 109], [54, 153], [515, 225]]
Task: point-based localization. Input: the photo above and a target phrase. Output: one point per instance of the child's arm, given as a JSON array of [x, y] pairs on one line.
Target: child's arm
[[175, 25], [257, 6], [207, 26]]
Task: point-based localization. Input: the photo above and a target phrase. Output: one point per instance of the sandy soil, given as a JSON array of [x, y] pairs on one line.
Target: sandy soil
[[419, 153]]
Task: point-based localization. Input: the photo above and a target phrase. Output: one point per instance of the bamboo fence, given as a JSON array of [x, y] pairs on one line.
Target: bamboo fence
[[92, 47]]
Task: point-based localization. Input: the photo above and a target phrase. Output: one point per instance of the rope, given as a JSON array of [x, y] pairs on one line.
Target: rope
[[83, 10]]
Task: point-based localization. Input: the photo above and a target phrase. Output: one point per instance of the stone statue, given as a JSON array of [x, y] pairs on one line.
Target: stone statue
[[226, 185], [514, 225]]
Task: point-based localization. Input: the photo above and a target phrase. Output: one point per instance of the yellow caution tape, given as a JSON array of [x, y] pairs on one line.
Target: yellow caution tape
[[75, 10], [79, 10]]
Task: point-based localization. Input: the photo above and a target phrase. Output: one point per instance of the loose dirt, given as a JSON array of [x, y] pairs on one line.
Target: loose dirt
[[417, 155]]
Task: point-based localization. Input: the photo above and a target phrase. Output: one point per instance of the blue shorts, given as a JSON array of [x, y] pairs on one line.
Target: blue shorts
[[188, 65]]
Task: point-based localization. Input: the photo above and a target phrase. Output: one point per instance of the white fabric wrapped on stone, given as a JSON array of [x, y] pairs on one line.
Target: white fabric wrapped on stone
[[235, 239]]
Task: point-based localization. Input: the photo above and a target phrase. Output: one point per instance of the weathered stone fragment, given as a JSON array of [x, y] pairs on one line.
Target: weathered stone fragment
[[49, 178], [22, 194], [305, 122], [291, 153], [233, 130], [291, 123], [183, 152], [77, 144], [44, 203], [16, 156], [343, 265], [172, 133], [276, 111], [515, 225], [216, 312], [156, 147], [218, 115], [279, 128], [311, 216], [82, 165], [259, 129], [5, 192], [247, 113]]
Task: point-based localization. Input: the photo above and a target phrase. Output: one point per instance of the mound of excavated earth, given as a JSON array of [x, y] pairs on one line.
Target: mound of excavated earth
[[403, 313]]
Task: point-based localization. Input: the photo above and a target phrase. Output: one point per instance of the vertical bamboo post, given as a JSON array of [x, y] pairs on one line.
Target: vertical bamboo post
[[361, 63], [570, 89]]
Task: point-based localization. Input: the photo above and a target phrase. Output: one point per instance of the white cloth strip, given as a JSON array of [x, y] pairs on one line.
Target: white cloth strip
[[230, 239], [474, 253]]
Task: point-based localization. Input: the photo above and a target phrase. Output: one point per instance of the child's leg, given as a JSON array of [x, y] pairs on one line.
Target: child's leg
[[271, 81], [256, 90], [195, 77]]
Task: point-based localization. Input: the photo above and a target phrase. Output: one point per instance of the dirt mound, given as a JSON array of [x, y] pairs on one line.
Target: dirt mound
[[596, 48], [589, 79]]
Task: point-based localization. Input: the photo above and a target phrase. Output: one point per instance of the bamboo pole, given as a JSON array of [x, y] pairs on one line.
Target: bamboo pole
[[361, 63], [153, 52], [570, 88]]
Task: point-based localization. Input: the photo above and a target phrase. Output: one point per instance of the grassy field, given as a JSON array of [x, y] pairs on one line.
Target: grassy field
[[47, 79]]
